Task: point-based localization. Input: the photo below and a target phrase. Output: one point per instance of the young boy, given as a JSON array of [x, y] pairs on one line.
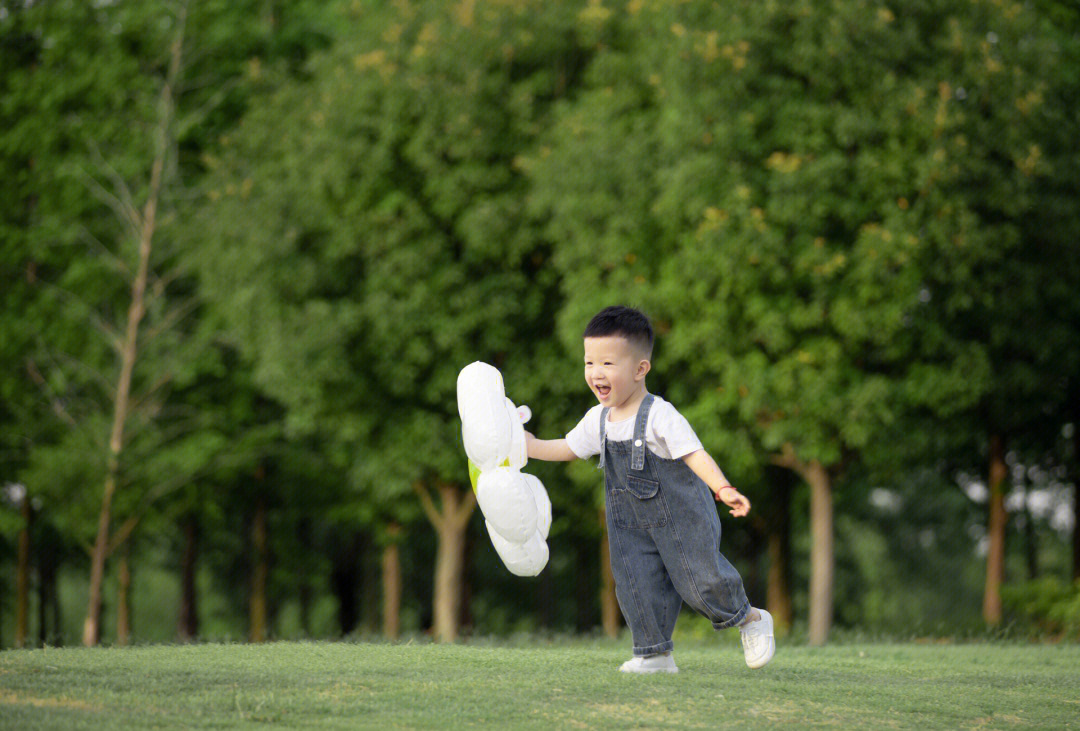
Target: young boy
[[663, 530]]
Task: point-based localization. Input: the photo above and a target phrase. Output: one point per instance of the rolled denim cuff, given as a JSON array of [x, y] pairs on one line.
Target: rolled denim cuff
[[654, 649], [735, 620]]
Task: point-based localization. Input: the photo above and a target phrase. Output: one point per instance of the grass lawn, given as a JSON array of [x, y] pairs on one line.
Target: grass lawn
[[570, 684]]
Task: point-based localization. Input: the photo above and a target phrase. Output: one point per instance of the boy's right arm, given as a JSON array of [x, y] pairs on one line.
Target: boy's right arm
[[548, 450]]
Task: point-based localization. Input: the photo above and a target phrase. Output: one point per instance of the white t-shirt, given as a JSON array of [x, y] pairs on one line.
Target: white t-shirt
[[668, 434]]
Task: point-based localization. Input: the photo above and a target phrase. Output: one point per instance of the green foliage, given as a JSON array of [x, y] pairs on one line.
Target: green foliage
[[391, 249], [1048, 604], [852, 222]]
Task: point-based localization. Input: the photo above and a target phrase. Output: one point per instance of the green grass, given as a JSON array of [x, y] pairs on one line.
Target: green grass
[[563, 684]]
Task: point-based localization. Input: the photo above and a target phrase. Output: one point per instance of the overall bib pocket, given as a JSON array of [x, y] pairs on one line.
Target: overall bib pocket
[[638, 506]]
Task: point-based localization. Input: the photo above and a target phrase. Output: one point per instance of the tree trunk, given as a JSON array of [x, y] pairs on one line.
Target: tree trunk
[[1031, 541], [752, 576], [345, 581], [778, 591], [304, 590], [822, 558], [54, 638], [449, 558], [123, 598], [585, 582], [449, 561], [147, 225], [995, 553], [48, 565], [43, 610], [1076, 498], [187, 623], [369, 584], [546, 600], [260, 573], [391, 581], [450, 524], [22, 575], [821, 553], [465, 620], [1076, 526], [92, 623], [609, 603]]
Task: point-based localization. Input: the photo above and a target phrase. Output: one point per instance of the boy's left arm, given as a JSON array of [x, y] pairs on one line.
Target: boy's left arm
[[703, 465]]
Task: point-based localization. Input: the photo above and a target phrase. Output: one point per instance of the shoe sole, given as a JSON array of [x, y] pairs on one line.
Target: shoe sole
[[649, 672], [763, 661]]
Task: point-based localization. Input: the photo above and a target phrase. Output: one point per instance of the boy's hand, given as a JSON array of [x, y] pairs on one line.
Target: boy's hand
[[549, 450], [704, 467], [734, 499]]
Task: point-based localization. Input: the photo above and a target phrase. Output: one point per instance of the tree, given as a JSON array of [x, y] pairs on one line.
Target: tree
[[770, 183], [106, 143], [1004, 281], [392, 250], [129, 226]]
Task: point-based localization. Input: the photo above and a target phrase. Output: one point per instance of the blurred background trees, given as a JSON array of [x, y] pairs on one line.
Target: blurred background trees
[[248, 246]]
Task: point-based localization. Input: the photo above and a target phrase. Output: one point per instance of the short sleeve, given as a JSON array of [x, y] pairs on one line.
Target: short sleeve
[[674, 432], [584, 439]]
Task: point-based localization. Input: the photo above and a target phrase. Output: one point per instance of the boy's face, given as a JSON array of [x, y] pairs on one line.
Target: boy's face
[[614, 369]]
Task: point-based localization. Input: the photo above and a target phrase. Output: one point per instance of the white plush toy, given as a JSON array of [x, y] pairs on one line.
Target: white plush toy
[[516, 507]]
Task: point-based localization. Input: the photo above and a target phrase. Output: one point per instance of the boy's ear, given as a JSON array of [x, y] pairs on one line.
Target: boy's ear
[[643, 367]]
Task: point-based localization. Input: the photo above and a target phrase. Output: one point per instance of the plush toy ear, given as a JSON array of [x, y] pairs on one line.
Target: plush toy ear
[[524, 413]]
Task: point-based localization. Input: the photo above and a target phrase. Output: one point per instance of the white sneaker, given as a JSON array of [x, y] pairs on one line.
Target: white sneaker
[[757, 640], [662, 663]]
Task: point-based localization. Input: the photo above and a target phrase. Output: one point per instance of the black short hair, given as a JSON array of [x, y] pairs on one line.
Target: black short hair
[[631, 324]]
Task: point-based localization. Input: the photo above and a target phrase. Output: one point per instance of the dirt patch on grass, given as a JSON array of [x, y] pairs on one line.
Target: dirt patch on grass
[[645, 710], [339, 691], [991, 720], [11, 698]]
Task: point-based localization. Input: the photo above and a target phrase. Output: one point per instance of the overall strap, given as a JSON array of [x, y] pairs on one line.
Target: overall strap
[[603, 436], [637, 456]]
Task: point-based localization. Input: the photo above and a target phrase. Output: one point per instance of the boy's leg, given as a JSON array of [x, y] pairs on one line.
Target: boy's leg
[[701, 575], [713, 587], [648, 599]]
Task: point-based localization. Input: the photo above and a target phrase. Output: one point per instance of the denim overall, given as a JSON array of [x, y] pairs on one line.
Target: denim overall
[[664, 535]]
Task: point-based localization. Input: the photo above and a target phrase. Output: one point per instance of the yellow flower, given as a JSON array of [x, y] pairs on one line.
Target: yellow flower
[[368, 60], [783, 162], [1028, 163], [594, 14]]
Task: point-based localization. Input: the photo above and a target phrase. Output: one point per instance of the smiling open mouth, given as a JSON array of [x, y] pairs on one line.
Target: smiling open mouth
[[603, 390]]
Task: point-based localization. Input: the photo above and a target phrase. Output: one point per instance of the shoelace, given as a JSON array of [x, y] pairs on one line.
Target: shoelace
[[750, 640]]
